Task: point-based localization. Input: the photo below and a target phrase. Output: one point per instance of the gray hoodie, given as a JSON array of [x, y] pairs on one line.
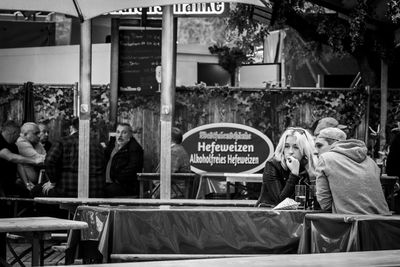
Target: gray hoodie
[[348, 181]]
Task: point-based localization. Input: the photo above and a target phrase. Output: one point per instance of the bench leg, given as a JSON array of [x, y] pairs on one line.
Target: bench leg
[[37, 251]]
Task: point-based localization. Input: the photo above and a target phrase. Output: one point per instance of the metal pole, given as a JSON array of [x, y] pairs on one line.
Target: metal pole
[[384, 95], [114, 71], [167, 99], [84, 109]]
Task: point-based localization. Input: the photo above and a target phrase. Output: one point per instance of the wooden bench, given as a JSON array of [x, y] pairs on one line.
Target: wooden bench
[[366, 258], [36, 229], [165, 257], [186, 178], [18, 205]]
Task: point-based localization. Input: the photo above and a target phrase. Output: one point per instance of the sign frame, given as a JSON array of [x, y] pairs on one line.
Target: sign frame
[[238, 126]]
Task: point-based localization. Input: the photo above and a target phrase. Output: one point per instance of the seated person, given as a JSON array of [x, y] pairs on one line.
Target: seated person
[[293, 163], [9, 158], [62, 167], [328, 122], [124, 157], [180, 163], [29, 146], [348, 181]]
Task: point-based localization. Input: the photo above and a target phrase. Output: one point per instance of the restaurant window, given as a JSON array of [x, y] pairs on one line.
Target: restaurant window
[[212, 74]]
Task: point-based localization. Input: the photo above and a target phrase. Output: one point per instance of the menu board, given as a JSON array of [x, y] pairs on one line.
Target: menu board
[[139, 55]]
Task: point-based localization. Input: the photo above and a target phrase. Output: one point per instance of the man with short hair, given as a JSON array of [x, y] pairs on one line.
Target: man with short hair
[[9, 158], [62, 166], [328, 122], [124, 160], [348, 181], [327, 137], [29, 146], [44, 136]]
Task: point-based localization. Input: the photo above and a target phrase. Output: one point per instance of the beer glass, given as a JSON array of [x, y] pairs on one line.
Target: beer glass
[[300, 195]]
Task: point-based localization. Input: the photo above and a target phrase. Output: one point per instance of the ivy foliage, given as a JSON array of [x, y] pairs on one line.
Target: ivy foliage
[[269, 111]]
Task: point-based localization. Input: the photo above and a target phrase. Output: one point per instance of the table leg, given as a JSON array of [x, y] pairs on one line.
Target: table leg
[[187, 188], [141, 189], [228, 190], [37, 250], [3, 248]]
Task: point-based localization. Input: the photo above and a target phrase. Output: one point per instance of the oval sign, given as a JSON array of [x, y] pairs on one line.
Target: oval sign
[[227, 147]]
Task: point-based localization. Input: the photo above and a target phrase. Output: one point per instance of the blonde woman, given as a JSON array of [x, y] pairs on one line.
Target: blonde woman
[[294, 162]]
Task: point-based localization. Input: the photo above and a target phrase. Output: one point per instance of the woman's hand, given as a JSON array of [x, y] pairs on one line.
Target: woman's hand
[[293, 165]]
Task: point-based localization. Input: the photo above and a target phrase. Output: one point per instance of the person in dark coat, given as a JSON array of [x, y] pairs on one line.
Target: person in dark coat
[[62, 167], [124, 157]]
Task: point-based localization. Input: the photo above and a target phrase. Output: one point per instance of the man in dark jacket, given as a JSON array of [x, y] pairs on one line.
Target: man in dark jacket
[[124, 157], [62, 167]]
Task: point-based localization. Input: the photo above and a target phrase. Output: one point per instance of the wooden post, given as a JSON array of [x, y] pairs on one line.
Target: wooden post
[[167, 100], [114, 71], [384, 95], [84, 109]]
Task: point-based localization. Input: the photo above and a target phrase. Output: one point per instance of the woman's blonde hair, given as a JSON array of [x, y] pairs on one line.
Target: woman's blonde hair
[[305, 142]]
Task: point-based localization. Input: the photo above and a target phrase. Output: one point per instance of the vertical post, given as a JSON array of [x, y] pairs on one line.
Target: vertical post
[[167, 99], [114, 71], [384, 95], [84, 109], [368, 89]]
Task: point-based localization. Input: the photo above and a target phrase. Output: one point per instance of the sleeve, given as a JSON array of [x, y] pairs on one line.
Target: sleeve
[[272, 185], [135, 164], [324, 195], [53, 161], [27, 150]]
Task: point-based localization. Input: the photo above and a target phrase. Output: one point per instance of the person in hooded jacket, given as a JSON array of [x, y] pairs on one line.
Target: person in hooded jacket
[[347, 180]]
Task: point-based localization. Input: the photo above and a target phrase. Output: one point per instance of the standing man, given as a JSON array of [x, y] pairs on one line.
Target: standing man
[[348, 181], [29, 146], [44, 136], [62, 166], [9, 158], [124, 160]]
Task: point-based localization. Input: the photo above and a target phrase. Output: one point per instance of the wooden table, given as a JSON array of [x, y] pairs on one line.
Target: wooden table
[[178, 230], [145, 202], [228, 178], [37, 229], [186, 178], [71, 204], [369, 258], [327, 232]]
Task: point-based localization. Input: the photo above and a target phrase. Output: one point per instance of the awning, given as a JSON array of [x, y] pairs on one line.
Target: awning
[[87, 9]]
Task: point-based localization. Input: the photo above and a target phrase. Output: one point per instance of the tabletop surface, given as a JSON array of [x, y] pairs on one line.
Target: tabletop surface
[[351, 217], [367, 258], [147, 202], [36, 224]]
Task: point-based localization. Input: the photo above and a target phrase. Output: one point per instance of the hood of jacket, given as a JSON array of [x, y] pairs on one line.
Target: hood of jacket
[[352, 148]]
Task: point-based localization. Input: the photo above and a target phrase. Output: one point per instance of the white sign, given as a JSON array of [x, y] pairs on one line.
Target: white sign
[[179, 9]]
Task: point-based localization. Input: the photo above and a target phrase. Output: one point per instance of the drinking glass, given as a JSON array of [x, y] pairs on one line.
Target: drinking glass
[[300, 195]]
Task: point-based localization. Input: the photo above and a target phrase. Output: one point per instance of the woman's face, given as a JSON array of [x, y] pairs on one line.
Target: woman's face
[[291, 148]]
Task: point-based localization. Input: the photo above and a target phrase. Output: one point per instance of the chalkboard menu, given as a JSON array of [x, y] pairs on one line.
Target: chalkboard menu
[[139, 55]]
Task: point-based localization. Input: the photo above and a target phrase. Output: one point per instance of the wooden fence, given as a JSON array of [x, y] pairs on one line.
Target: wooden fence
[[264, 113]]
